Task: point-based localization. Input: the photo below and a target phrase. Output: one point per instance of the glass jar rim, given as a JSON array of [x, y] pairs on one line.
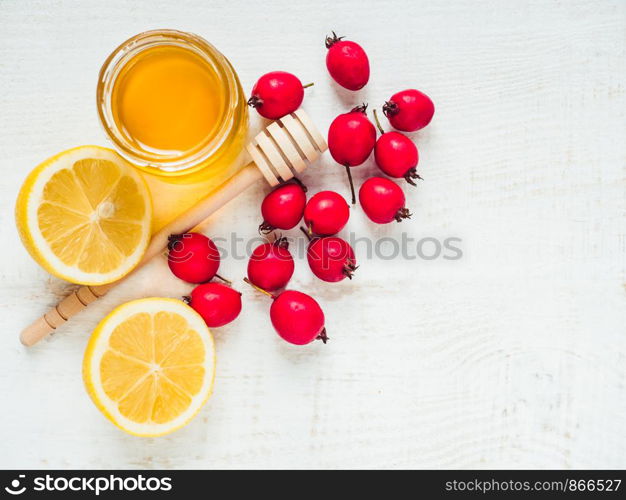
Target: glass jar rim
[[174, 164]]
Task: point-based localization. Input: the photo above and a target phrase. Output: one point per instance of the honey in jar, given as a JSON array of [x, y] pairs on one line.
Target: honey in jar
[[173, 106]]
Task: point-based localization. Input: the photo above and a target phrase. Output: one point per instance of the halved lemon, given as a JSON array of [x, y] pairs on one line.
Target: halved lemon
[[84, 215], [149, 366]]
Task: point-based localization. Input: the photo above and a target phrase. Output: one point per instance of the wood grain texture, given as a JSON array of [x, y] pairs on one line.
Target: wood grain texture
[[512, 356]]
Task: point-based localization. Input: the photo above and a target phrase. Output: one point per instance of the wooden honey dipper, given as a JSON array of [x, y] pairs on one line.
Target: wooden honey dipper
[[279, 152]]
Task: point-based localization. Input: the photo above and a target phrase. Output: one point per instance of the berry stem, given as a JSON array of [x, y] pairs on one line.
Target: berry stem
[[351, 184], [402, 214], [306, 233], [308, 85], [361, 108], [281, 241], [172, 239], [412, 174], [332, 40], [322, 336], [266, 228], [349, 269], [259, 289], [378, 122], [390, 109], [228, 282], [255, 101]]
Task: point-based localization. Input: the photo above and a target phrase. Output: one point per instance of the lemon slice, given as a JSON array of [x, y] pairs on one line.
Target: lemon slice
[[84, 215], [149, 366]]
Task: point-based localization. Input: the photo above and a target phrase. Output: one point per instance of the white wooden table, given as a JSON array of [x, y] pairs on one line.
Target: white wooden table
[[513, 356]]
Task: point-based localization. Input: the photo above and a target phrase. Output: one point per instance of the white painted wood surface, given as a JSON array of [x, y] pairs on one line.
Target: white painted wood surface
[[513, 356]]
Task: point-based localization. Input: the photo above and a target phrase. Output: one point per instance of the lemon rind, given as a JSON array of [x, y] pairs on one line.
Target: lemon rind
[[98, 344], [28, 201]]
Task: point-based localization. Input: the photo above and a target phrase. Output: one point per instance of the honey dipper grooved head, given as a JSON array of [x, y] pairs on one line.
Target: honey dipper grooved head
[[285, 147]]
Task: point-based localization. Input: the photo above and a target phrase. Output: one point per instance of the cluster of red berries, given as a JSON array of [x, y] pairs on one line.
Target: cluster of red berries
[[194, 258], [325, 214], [352, 136], [296, 316]]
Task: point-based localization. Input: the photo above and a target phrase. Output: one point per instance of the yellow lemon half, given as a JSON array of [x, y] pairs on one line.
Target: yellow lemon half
[[84, 215], [149, 366]]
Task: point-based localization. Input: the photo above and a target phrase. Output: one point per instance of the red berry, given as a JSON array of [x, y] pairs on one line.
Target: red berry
[[326, 213], [409, 110], [271, 265], [396, 154], [383, 200], [277, 94], [218, 304], [347, 63], [351, 139], [193, 257], [298, 318], [283, 207], [331, 259]]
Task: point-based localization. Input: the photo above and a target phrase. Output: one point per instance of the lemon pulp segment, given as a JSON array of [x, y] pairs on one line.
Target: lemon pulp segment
[[149, 365], [85, 215]]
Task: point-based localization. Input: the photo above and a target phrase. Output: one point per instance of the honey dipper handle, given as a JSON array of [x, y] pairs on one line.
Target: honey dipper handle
[[81, 298], [64, 310]]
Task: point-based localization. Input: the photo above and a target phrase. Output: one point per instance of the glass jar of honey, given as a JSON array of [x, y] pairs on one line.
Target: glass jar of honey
[[173, 106]]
